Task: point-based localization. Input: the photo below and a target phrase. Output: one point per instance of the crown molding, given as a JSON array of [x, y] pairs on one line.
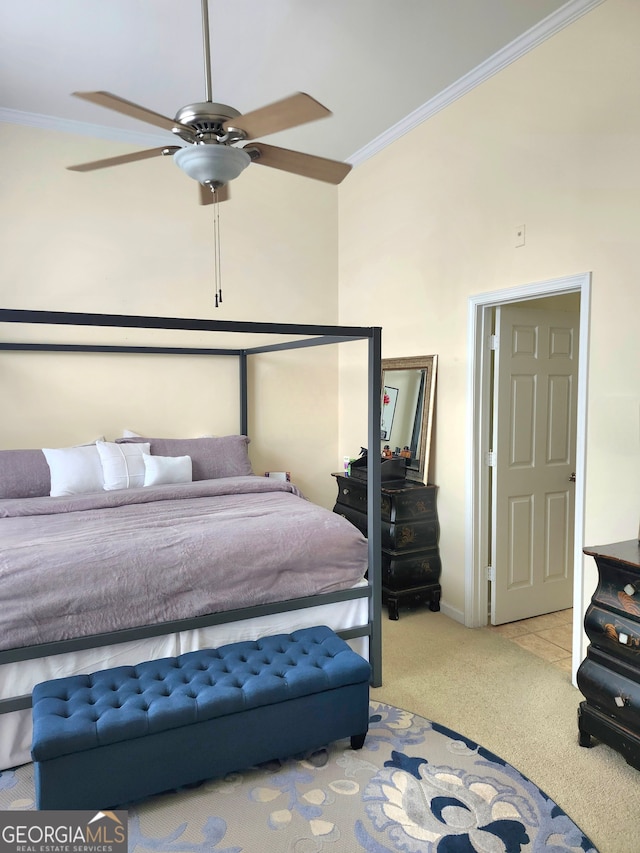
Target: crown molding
[[549, 26], [45, 122]]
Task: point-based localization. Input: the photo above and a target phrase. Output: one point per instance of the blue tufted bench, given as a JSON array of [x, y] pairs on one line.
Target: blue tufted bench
[[122, 734]]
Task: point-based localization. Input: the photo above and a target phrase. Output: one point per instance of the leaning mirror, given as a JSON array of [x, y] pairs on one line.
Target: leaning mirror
[[408, 386]]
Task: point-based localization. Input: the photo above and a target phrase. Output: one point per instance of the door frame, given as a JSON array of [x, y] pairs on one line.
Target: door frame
[[477, 509]]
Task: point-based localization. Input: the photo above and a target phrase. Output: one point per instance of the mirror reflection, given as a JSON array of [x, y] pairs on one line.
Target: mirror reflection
[[408, 387]]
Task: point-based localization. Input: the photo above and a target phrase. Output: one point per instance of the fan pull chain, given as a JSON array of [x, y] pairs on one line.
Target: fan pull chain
[[217, 275]]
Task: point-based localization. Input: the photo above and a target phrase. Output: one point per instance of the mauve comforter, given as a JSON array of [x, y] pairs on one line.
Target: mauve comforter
[[71, 567]]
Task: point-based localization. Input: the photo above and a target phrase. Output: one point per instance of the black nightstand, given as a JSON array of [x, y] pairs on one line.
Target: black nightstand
[[411, 563]]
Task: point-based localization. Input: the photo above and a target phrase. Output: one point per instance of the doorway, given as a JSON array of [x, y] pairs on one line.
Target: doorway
[[534, 356], [482, 311]]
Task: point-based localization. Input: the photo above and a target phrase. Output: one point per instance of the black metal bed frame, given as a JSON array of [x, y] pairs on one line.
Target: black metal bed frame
[[313, 335]]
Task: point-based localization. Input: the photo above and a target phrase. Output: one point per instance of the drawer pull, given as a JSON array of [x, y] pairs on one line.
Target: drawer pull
[[345, 491], [631, 588], [623, 638], [621, 701]]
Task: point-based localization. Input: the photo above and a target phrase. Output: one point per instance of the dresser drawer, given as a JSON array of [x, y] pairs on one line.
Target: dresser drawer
[[401, 572], [352, 494], [403, 536], [615, 634], [608, 687], [611, 588], [408, 503], [402, 503], [359, 519]]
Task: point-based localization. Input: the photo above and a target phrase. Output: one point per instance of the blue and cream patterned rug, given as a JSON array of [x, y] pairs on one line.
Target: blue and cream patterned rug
[[415, 786]]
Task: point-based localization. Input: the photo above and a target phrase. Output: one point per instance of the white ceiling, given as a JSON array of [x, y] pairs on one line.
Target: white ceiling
[[381, 66]]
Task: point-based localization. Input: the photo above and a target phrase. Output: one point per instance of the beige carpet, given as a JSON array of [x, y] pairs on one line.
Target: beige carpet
[[518, 706]]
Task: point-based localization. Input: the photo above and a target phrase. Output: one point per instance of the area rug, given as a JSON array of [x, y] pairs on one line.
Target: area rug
[[415, 786]]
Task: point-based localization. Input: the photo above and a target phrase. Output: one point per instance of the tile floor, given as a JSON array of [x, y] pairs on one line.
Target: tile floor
[[548, 636]]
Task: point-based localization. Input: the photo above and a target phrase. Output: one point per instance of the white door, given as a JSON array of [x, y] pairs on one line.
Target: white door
[[534, 429]]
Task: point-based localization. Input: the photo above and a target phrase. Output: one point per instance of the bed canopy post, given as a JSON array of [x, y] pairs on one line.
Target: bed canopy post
[[244, 416], [374, 496]]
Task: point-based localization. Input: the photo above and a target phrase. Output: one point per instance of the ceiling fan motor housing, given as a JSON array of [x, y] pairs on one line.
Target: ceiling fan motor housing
[[207, 120]]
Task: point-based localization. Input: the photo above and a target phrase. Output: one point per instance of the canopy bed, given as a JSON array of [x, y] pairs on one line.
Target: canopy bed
[[151, 596]]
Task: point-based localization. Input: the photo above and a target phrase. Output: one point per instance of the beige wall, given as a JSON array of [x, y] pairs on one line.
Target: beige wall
[[134, 240], [551, 142]]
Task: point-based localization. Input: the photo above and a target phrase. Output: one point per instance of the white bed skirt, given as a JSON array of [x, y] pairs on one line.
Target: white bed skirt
[[17, 679]]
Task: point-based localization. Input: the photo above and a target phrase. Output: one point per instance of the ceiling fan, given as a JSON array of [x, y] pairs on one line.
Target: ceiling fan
[[212, 132]]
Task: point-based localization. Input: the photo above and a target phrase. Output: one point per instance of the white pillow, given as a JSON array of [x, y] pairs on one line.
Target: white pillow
[[74, 470], [122, 464], [161, 470]]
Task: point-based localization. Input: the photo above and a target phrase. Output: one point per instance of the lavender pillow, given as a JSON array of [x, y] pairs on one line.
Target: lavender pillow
[[24, 474], [211, 458]]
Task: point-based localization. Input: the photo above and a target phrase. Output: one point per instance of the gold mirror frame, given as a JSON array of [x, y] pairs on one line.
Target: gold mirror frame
[[428, 364]]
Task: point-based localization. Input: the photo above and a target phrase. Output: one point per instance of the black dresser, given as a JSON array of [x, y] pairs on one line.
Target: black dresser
[[410, 531], [609, 676]]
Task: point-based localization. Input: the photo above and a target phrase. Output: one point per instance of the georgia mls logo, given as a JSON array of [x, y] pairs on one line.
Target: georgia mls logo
[[63, 832], [118, 832]]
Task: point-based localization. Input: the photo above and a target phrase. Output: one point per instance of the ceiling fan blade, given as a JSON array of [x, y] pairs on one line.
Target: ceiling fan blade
[[289, 112], [209, 196], [128, 108], [123, 158], [307, 165]]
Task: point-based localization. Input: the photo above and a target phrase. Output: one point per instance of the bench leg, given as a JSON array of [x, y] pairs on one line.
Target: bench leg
[[357, 741]]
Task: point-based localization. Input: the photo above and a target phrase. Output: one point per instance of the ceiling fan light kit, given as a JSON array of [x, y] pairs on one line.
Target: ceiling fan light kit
[[214, 165]]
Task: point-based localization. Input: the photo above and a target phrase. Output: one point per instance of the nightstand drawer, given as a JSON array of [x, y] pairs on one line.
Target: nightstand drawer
[[400, 572], [401, 501], [403, 536]]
